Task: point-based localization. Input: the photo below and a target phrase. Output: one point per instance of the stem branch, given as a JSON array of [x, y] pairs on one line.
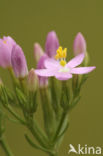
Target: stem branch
[[5, 147], [64, 115], [15, 114]]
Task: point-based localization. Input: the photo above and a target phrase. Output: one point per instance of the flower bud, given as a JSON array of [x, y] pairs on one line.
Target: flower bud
[[32, 80], [43, 81], [38, 51], [19, 62], [79, 44], [52, 44], [6, 45]]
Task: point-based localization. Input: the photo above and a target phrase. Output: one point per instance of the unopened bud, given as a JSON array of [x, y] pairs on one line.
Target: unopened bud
[[52, 44], [38, 51], [32, 80], [79, 45], [6, 45], [19, 62]]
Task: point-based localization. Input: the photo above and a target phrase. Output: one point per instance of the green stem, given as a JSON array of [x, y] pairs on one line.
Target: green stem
[[64, 115], [48, 113], [37, 133], [5, 147], [13, 78], [9, 108], [55, 154], [22, 85], [38, 138], [54, 96]]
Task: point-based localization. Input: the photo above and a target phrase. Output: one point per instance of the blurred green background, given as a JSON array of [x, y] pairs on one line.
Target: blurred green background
[[30, 21]]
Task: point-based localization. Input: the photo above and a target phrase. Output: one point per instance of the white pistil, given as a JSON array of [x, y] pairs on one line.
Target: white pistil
[[64, 69]]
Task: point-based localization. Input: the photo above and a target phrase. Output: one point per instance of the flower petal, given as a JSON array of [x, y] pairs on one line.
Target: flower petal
[[51, 63], [76, 60], [45, 72], [82, 70], [63, 76], [41, 61]]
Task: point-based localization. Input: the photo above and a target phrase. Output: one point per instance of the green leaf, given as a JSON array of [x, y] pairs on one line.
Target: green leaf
[[11, 97], [32, 101], [35, 145], [21, 98], [74, 102], [4, 97], [84, 78], [60, 135]]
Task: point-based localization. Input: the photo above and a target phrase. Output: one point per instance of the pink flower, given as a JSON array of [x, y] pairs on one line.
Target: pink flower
[[51, 45], [79, 44], [19, 62], [62, 70], [6, 45]]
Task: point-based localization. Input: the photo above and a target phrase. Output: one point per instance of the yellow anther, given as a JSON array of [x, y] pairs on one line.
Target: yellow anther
[[59, 49], [57, 56], [65, 53], [63, 63], [61, 53], [4, 41]]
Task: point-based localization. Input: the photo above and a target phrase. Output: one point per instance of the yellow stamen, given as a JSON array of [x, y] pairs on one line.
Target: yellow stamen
[[57, 56], [4, 41], [63, 63], [65, 53], [61, 53]]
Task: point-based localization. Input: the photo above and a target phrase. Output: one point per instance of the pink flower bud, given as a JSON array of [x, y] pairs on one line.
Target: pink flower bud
[[38, 51], [79, 44], [32, 80], [19, 62], [6, 45], [52, 44], [43, 81]]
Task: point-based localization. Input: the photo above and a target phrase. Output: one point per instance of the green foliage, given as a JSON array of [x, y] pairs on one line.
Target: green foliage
[[56, 100]]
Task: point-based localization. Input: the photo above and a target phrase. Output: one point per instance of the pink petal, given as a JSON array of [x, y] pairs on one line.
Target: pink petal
[[76, 60], [82, 70], [51, 63], [45, 72], [63, 76]]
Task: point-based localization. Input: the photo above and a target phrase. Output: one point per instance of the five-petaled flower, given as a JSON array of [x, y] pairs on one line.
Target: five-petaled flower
[[62, 70]]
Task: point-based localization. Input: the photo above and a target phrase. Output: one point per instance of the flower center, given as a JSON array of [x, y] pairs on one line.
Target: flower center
[[64, 70], [61, 56]]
